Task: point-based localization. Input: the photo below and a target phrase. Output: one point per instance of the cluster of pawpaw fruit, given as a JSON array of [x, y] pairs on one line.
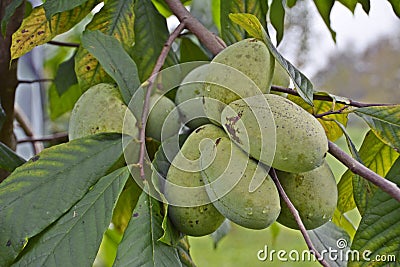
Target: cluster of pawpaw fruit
[[239, 130]]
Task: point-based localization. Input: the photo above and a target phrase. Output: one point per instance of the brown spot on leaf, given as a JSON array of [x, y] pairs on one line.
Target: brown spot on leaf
[[40, 32], [24, 30], [35, 158], [8, 243], [135, 215], [87, 67]]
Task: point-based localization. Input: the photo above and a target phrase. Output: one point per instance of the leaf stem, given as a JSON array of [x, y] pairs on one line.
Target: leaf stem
[[297, 217], [331, 112], [63, 137], [24, 123], [328, 98], [58, 43], [356, 167], [160, 62], [207, 38], [35, 81]]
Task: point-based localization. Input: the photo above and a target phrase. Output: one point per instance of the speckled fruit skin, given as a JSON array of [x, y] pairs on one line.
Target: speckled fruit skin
[[229, 177], [189, 98], [192, 217], [301, 144], [162, 107], [101, 109], [313, 193], [250, 73]]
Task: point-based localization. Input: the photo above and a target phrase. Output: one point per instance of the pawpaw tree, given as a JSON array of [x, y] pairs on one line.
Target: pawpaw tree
[[183, 132]]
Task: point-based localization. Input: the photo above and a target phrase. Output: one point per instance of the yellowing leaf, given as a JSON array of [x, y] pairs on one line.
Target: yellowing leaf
[[35, 29]]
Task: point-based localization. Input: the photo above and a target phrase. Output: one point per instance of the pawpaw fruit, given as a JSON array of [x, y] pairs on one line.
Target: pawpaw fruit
[[189, 208], [313, 193], [229, 181], [277, 132]]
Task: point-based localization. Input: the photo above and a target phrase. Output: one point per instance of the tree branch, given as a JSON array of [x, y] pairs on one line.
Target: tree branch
[[327, 98], [63, 137], [58, 43], [331, 112], [160, 62], [35, 81], [356, 167], [297, 217], [23, 121], [207, 38]]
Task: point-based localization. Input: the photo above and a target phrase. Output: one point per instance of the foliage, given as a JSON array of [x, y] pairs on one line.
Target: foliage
[[69, 203]]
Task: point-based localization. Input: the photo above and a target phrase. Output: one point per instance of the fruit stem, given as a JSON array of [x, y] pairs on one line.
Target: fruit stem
[[356, 167], [297, 217], [160, 62]]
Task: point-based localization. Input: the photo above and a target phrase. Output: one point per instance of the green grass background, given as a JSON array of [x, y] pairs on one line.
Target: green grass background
[[240, 246]]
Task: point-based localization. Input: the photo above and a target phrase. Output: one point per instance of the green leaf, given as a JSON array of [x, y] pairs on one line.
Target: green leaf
[[62, 174], [140, 245], [230, 31], [350, 144], [116, 61], [164, 9], [216, 13], [291, 3], [2, 116], [9, 12], [221, 232], [326, 238], [191, 51], [151, 33], [365, 5], [384, 122], [75, 238], [9, 160], [379, 229], [332, 129], [350, 4], [277, 16], [341, 220], [65, 76], [324, 8], [396, 7], [53, 7], [252, 25], [115, 19], [35, 29], [58, 105], [183, 252], [345, 193], [379, 158]]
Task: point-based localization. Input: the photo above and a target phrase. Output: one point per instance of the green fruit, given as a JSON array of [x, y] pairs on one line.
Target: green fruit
[[101, 109], [280, 78], [241, 70], [190, 209], [244, 192], [313, 193], [281, 134], [189, 98], [163, 120]]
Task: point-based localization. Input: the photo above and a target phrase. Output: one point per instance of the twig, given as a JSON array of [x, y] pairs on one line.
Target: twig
[[330, 112], [328, 98], [58, 43], [35, 81], [389, 187], [207, 38], [160, 62], [48, 138], [297, 217], [23, 121]]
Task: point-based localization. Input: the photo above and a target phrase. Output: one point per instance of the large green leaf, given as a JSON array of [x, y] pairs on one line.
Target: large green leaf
[[58, 105], [191, 51], [53, 7], [35, 29], [277, 16], [253, 26], [385, 122], [115, 19], [378, 157], [9, 12], [326, 238], [324, 8], [396, 7], [345, 193], [232, 32], [65, 76], [45, 187], [342, 221], [151, 33], [365, 5], [350, 4], [75, 238], [116, 61], [140, 245], [9, 160], [379, 230]]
